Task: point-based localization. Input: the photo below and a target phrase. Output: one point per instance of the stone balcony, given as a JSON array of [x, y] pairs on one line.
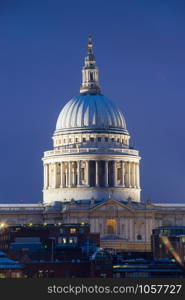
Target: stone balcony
[[91, 150]]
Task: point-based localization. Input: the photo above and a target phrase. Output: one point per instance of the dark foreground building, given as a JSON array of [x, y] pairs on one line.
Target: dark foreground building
[[10, 268], [169, 242], [63, 251], [139, 268], [48, 242]]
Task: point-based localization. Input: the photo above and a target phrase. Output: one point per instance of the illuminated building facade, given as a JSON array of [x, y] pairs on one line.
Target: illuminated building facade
[[92, 174]]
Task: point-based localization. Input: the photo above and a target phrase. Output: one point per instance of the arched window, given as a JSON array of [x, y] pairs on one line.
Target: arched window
[[139, 237], [111, 226], [91, 76]]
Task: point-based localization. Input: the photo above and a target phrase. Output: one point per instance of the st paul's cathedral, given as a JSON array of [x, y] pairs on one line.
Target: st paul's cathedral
[[92, 175]]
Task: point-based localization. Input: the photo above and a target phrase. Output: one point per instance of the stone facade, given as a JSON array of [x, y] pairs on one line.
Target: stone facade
[[122, 225]]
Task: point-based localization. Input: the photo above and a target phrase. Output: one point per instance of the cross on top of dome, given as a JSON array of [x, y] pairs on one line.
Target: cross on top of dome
[[90, 44]]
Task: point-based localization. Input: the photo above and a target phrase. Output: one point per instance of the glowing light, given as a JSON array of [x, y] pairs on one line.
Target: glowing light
[[168, 245], [3, 225]]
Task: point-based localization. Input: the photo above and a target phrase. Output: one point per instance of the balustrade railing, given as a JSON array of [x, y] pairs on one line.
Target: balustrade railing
[[90, 150]]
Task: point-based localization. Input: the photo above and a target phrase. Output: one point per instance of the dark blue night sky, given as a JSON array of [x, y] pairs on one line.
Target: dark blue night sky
[[140, 50]]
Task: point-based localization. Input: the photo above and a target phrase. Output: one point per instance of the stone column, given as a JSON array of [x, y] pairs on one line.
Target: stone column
[[123, 173], [66, 176], [114, 174], [129, 181], [48, 179], [73, 175], [61, 175], [126, 228], [106, 173], [49, 176], [134, 174], [54, 176], [45, 176], [87, 172], [137, 176], [78, 174], [97, 174], [69, 174], [131, 178], [131, 225], [131, 175]]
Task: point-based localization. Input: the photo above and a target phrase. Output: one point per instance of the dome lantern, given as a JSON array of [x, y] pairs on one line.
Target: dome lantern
[[90, 82]]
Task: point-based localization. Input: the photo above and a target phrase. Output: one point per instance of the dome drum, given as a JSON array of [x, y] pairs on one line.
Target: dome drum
[[87, 175]]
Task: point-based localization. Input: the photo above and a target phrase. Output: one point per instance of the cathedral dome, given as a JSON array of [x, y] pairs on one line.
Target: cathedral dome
[[90, 111]]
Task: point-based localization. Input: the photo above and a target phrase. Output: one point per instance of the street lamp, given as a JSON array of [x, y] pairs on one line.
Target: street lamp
[[2, 225]]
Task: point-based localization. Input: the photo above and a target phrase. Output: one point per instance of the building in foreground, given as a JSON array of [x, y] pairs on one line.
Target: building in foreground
[[10, 268], [169, 242], [92, 174], [49, 242]]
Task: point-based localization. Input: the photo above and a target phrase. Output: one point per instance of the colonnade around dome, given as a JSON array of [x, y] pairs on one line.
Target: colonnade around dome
[[91, 173]]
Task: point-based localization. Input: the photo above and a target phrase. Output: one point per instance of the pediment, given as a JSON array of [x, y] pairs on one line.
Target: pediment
[[111, 205]]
